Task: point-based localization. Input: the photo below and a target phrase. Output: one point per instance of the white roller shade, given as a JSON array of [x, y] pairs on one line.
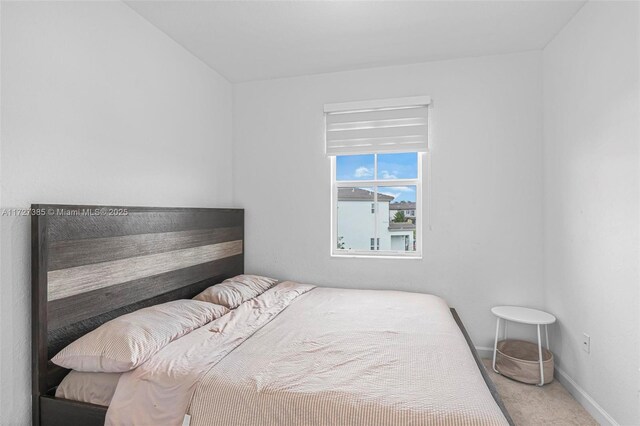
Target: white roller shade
[[387, 125]]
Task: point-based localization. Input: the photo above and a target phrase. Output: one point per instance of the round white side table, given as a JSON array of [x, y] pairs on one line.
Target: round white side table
[[523, 316]]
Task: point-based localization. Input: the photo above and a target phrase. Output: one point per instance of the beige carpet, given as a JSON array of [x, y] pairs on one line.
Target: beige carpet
[[534, 405]]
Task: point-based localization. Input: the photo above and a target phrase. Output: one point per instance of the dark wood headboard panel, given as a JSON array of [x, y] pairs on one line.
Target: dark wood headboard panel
[[93, 263]]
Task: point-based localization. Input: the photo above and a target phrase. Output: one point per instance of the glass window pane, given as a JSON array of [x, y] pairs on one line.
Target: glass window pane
[[398, 166], [354, 167], [399, 210], [355, 219]]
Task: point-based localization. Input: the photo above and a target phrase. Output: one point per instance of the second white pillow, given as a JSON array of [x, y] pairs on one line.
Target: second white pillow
[[234, 291]]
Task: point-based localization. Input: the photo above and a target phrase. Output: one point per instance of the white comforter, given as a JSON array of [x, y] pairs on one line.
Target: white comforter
[[298, 355]]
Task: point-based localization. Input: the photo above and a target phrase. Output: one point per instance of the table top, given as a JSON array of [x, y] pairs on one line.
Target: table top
[[523, 315]]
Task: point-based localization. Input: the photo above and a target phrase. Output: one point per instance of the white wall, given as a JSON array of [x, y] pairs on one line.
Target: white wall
[[98, 107], [485, 246], [591, 199]]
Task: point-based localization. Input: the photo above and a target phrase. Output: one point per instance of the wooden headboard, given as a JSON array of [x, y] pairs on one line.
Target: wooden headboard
[[93, 263]]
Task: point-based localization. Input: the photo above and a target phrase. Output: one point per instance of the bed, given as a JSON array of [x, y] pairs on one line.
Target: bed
[[296, 354]]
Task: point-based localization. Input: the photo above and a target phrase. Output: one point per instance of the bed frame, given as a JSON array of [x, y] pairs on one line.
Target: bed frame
[[483, 370], [91, 264]]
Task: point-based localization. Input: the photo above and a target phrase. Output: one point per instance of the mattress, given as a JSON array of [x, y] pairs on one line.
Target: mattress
[[94, 388], [301, 355]]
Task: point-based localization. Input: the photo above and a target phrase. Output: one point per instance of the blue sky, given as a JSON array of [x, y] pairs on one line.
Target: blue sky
[[390, 166]]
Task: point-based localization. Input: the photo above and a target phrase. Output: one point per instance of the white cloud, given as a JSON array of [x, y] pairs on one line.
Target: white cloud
[[363, 172], [387, 175], [400, 188]]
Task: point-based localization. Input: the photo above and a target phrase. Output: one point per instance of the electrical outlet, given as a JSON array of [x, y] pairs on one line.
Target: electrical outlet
[[586, 342]]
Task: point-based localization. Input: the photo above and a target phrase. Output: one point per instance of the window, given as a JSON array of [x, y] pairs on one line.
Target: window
[[377, 245], [370, 215], [377, 150]]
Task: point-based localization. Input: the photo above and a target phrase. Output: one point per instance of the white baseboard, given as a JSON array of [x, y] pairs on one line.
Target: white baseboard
[[589, 404], [484, 352]]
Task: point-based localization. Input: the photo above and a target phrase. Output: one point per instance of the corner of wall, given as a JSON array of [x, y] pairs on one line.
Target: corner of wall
[[585, 71]]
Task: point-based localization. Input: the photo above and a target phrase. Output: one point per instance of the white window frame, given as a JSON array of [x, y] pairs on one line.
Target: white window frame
[[375, 183]]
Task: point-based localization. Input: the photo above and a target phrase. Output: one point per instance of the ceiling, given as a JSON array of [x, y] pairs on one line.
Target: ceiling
[[256, 40]]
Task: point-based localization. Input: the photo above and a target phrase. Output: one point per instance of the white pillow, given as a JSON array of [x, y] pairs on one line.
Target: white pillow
[[124, 343], [234, 291]]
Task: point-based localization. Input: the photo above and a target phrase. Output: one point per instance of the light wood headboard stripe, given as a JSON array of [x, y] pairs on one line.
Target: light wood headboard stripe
[[67, 311], [71, 253], [80, 279]]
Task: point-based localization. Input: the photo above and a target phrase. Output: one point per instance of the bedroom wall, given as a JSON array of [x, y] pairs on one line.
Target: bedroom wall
[[485, 245], [98, 107], [592, 206]]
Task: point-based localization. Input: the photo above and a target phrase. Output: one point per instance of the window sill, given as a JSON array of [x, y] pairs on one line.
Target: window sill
[[376, 256]]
